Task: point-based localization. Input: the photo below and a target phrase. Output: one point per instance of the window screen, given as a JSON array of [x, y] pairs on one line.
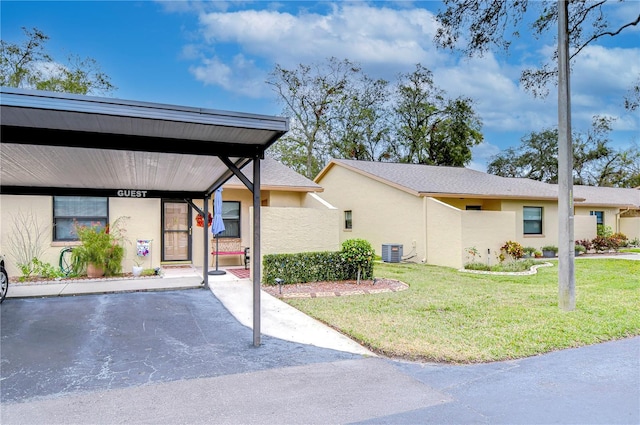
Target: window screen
[[85, 210], [532, 220]]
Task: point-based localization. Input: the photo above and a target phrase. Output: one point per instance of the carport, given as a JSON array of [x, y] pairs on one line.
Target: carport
[[56, 144]]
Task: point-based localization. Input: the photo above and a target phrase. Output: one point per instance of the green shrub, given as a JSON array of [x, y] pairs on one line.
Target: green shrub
[[358, 255], [321, 266], [102, 246]]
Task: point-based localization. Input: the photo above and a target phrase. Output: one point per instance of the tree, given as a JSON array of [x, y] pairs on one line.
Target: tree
[[310, 94], [30, 66], [596, 163], [494, 23], [361, 129], [431, 129]]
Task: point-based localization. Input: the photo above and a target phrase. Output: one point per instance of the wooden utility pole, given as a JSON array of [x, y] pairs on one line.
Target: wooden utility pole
[[566, 244]]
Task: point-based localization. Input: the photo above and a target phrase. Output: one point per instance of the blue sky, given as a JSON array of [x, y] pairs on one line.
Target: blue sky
[[218, 54]]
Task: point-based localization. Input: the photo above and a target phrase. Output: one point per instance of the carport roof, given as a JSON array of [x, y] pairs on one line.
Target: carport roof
[[59, 143]]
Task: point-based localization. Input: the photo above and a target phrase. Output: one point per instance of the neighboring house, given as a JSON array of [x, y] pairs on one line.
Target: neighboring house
[[293, 219], [436, 213], [615, 208]]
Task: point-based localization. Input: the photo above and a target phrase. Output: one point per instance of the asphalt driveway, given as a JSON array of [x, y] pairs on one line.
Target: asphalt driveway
[[181, 357]]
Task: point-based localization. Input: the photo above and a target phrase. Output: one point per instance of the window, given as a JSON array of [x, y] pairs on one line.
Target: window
[[85, 210], [231, 219], [599, 216], [347, 220], [473, 208], [532, 217]]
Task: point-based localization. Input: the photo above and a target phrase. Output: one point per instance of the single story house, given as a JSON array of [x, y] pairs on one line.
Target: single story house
[[437, 213], [293, 219]]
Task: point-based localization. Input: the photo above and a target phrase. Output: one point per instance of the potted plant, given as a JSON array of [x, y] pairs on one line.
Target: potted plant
[[549, 251], [529, 251], [580, 249], [137, 268], [102, 249]]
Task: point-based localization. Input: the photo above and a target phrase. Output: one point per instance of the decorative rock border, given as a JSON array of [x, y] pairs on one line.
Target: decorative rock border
[[532, 270]]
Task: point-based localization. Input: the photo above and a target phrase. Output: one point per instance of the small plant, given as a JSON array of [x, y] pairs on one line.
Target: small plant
[[549, 251], [101, 246], [529, 251], [512, 249], [619, 240], [634, 242], [586, 243], [537, 254], [27, 238], [601, 243], [580, 249], [472, 253]]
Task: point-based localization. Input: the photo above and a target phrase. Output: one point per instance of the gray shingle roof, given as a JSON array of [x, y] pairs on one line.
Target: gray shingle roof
[[427, 179], [608, 196], [274, 175]]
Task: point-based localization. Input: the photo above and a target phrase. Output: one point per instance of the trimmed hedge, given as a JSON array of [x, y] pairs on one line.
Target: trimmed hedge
[[317, 266]]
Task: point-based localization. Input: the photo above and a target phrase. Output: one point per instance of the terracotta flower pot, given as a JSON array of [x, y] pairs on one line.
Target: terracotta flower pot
[[94, 271]]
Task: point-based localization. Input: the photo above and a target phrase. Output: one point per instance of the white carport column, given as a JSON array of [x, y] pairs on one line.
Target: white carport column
[[255, 255]]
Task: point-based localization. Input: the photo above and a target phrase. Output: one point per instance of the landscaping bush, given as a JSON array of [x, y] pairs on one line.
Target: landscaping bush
[[321, 266], [511, 249], [586, 243]]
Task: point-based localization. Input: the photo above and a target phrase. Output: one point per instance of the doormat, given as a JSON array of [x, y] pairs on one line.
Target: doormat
[[240, 273]]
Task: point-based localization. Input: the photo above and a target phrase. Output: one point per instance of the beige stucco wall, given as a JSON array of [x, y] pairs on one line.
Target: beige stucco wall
[[292, 230], [549, 222], [584, 227], [143, 223], [12, 207], [444, 234], [461, 204], [381, 214], [610, 216], [630, 226], [487, 231]]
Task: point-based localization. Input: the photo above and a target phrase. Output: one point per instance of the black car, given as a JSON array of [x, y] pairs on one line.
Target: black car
[[4, 280]]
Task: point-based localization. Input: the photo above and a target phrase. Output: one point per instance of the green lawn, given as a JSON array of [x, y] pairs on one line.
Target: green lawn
[[449, 316]]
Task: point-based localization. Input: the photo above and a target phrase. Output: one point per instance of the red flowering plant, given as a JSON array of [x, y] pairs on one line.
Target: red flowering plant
[[200, 220]]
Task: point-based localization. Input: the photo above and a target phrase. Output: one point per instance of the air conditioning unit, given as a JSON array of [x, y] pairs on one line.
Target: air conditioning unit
[[391, 253]]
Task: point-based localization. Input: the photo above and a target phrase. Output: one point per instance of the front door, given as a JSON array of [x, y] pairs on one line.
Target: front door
[[176, 231]]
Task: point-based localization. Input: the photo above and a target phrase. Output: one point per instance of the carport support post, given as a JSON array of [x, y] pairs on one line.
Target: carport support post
[[255, 255], [205, 260]]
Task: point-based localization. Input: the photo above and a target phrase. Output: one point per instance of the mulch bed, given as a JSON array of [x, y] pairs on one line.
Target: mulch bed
[[334, 289]]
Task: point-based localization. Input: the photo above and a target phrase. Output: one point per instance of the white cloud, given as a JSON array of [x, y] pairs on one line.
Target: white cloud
[[387, 41], [359, 32], [240, 76]]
